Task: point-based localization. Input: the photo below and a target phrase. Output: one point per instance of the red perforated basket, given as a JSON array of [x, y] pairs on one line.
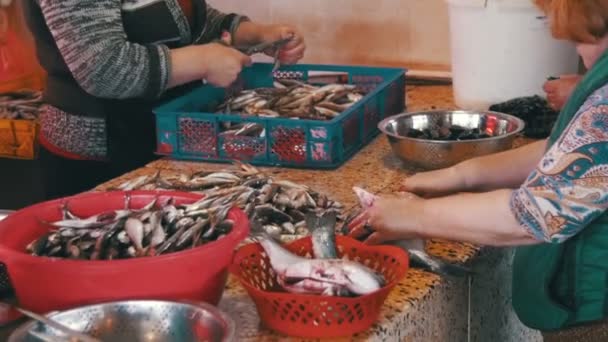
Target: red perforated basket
[[45, 284], [312, 316]]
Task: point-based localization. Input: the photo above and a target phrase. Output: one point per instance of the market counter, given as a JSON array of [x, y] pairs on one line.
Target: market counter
[[423, 307]]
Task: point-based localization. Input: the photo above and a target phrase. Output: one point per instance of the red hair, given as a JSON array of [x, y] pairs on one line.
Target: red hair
[[583, 21]]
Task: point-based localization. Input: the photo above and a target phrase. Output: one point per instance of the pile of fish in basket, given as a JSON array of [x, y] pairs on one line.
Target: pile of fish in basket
[[20, 105], [294, 99]]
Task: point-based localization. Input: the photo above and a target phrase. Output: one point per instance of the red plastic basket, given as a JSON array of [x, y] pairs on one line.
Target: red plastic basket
[[311, 316], [45, 284]]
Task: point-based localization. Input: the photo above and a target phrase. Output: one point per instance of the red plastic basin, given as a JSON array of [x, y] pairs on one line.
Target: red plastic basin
[[44, 284]]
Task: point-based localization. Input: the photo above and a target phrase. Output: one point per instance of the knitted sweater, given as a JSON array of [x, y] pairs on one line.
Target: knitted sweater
[[108, 65]]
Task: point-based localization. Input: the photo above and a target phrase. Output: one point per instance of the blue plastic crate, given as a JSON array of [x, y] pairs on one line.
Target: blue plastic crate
[[188, 128]]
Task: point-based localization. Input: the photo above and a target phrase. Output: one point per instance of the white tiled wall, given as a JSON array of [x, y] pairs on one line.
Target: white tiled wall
[[387, 32]]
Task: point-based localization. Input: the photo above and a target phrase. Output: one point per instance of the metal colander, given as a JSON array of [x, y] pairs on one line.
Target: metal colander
[[140, 320]]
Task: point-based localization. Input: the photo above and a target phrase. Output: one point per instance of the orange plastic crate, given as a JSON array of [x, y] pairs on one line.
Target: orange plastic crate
[[18, 139]]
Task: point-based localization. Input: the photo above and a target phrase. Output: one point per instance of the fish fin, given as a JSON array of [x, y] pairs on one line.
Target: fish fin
[[435, 265]]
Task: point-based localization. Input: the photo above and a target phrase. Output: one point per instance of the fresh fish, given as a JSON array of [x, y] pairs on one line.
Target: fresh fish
[[130, 233], [339, 274], [135, 231], [278, 203], [93, 221], [415, 247], [323, 235], [291, 99], [158, 233], [134, 184]]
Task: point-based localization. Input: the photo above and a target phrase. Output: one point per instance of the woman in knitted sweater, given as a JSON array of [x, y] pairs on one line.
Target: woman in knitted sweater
[[109, 62]]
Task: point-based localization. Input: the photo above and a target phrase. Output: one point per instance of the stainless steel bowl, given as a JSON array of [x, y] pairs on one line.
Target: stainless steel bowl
[[140, 320], [435, 154]]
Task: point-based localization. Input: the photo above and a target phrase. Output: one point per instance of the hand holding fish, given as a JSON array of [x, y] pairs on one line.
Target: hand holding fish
[[222, 63], [292, 51], [392, 218]]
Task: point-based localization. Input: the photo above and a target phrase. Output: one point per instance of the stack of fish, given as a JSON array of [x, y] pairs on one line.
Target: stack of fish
[[295, 100], [280, 205], [129, 233], [24, 105], [325, 274]]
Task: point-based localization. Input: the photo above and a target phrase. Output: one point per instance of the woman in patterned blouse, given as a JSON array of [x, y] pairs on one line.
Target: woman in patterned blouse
[[549, 198]]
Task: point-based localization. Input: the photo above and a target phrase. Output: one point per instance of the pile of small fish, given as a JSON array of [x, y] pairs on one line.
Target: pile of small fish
[[23, 105], [325, 274], [280, 205], [294, 99], [453, 133], [128, 233]]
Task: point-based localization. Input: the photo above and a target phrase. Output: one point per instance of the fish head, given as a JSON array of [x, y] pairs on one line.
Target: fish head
[[366, 198]]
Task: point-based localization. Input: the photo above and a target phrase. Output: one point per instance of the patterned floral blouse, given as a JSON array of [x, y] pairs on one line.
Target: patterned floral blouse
[[569, 187]]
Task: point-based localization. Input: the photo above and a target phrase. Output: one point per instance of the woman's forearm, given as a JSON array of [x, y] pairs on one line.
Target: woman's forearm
[[484, 219], [182, 69], [248, 33], [507, 169]]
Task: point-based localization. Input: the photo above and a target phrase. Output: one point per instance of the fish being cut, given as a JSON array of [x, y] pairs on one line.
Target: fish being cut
[[415, 247]]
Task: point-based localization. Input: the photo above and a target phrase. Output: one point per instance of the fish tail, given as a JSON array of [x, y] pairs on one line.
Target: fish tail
[[312, 221], [435, 265], [328, 220]]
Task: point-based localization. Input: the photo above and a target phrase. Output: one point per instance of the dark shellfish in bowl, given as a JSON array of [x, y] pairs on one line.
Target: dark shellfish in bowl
[[438, 139]]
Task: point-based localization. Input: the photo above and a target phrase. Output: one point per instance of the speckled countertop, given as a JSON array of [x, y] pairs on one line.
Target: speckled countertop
[[378, 170]]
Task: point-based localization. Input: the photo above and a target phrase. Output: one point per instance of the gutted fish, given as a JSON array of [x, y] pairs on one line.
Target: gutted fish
[[334, 277]]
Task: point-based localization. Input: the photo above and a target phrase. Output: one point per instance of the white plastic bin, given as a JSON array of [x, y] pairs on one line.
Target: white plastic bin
[[502, 49]]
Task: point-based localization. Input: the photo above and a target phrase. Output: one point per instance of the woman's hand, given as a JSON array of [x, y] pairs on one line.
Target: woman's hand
[[249, 34], [223, 64], [391, 218], [291, 52], [218, 64], [559, 91]]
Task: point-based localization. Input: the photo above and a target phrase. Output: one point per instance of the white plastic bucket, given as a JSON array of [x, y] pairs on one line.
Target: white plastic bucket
[[502, 49]]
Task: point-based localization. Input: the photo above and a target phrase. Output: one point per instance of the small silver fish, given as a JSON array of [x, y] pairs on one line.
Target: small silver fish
[[135, 231]]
